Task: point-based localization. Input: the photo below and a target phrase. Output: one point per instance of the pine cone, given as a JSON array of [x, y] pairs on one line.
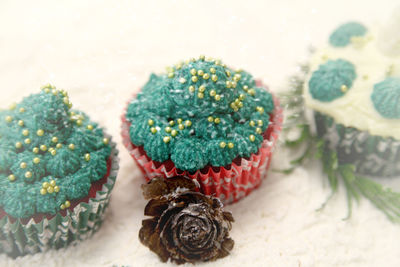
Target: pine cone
[[186, 226]]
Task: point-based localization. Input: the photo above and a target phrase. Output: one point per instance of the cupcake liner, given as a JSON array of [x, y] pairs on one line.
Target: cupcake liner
[[84, 217], [371, 155], [229, 183]]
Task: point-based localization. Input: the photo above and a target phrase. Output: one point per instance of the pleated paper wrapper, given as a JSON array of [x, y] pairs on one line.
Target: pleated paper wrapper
[[229, 183], [79, 222]]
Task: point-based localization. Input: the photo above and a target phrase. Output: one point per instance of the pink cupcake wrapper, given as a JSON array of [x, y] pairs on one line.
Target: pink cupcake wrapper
[[229, 183]]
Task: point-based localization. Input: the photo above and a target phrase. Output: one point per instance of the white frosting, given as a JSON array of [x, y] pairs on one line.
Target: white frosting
[[355, 108]]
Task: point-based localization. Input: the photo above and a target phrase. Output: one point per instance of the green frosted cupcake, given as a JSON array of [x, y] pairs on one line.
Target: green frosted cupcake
[[57, 169], [354, 87]]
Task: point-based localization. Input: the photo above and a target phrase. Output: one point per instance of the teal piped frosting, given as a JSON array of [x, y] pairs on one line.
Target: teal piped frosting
[[332, 80], [386, 98], [342, 35], [49, 154], [185, 114]]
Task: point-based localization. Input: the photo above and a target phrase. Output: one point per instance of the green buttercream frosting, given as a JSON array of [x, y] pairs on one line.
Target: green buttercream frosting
[[200, 113], [49, 154], [342, 35], [332, 80], [386, 98]]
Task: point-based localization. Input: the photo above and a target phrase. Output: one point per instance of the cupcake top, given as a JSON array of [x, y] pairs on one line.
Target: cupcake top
[[198, 113], [49, 154], [356, 78]]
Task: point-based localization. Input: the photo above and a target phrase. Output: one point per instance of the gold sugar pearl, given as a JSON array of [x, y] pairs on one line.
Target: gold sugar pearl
[[181, 127], [23, 165], [212, 70], [228, 84], [21, 110], [53, 152], [46, 90], [79, 122], [217, 120], [28, 174], [191, 89], [45, 185], [40, 132], [242, 97], [27, 141], [67, 204], [169, 69], [35, 150], [344, 88], [106, 141], [258, 130], [217, 97], [193, 71], [214, 78], [202, 88], [200, 95], [237, 101], [8, 119], [200, 72], [11, 177], [182, 80], [252, 123], [168, 129], [12, 106], [194, 79], [231, 145], [174, 132], [36, 160], [206, 76], [62, 206], [210, 119], [53, 183], [234, 84], [245, 88], [260, 109], [25, 132], [59, 146], [179, 121], [188, 123], [202, 57], [237, 77], [252, 92], [171, 123], [233, 105], [240, 104], [171, 75], [222, 144], [54, 139], [56, 189], [50, 189], [153, 130], [150, 122], [252, 138], [213, 93], [228, 73], [166, 139], [21, 123], [87, 156], [71, 146], [43, 147], [43, 191], [260, 123], [66, 100], [89, 127]]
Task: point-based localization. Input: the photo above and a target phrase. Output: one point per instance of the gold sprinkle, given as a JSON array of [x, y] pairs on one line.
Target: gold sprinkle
[[13, 106], [21, 123], [166, 139], [28, 174], [53, 152], [233, 105], [71, 146], [194, 79], [153, 130], [179, 121], [182, 80], [252, 138], [35, 150], [200, 72], [53, 183], [168, 129], [202, 57], [66, 100], [27, 141], [23, 165], [11, 177], [62, 206], [240, 104], [56, 189], [228, 84], [87, 156], [344, 88], [237, 77], [258, 130], [200, 95], [260, 123], [212, 70], [21, 110], [245, 88], [43, 191], [237, 101], [228, 73], [222, 144], [54, 139], [40, 132], [46, 90], [67, 204], [193, 71], [171, 123], [89, 127], [45, 185], [169, 69], [9, 119], [260, 109], [242, 97], [214, 78], [25, 132], [217, 120], [43, 147], [234, 84], [50, 189], [192, 89], [150, 122], [181, 127], [36, 160], [213, 93], [252, 92], [188, 123], [202, 88], [210, 119], [206, 76], [174, 132], [231, 145], [79, 122], [59, 146], [171, 75], [106, 141], [252, 123], [217, 97]]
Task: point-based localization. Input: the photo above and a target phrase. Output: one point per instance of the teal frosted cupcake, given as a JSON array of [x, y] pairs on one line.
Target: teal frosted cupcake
[[354, 88], [206, 121], [57, 169]]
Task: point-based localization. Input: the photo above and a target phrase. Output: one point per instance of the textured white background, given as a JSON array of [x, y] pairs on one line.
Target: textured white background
[[102, 51]]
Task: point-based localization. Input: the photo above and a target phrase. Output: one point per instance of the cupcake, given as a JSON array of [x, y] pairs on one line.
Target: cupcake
[[57, 170], [206, 121], [354, 88]]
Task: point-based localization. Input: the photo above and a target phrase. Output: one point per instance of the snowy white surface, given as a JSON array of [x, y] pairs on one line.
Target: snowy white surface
[[102, 51]]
